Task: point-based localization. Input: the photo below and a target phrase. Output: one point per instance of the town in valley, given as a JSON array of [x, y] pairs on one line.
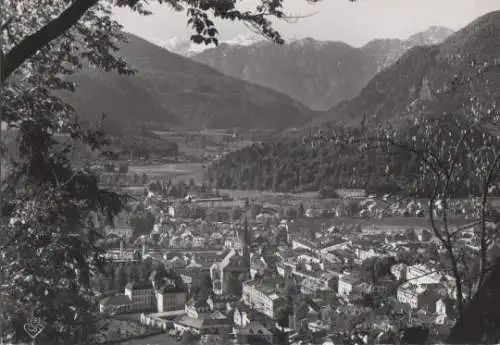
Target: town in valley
[[260, 176]]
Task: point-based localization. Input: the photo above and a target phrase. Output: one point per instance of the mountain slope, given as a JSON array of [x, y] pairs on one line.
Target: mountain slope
[[421, 79], [318, 74], [420, 85], [385, 52], [171, 90]]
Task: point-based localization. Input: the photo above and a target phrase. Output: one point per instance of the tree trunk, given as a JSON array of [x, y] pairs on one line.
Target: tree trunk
[[33, 43]]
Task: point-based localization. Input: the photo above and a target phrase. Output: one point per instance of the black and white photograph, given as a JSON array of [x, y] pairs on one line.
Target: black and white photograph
[[249, 172]]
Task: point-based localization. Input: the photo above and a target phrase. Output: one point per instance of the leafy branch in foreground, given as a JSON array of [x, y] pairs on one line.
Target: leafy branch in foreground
[[49, 231], [30, 29]]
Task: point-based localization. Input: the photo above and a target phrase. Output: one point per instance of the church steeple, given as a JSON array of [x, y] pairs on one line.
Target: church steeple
[[246, 241]]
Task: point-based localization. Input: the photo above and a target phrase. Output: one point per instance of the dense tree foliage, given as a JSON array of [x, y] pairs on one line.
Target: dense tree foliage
[[142, 223], [293, 165], [144, 146], [323, 163]]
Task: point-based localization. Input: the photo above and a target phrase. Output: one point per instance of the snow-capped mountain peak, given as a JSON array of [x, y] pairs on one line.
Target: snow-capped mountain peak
[[244, 40], [433, 35], [185, 47]]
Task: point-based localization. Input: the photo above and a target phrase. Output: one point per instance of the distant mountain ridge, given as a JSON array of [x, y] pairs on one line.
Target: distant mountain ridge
[[186, 47], [388, 51], [418, 82], [319, 74], [173, 91]]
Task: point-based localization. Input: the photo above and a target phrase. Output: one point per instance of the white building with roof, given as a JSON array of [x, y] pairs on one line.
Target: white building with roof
[[421, 274], [262, 296]]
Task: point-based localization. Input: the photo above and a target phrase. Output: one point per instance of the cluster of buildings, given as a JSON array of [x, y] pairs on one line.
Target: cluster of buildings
[[307, 276], [313, 279]]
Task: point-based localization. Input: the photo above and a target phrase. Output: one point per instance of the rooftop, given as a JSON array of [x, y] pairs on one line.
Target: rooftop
[[170, 286], [267, 286], [351, 279], [302, 225], [254, 328], [318, 243], [144, 285]]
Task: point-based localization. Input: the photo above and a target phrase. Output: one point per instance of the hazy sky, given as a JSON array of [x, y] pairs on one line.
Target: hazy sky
[[334, 20]]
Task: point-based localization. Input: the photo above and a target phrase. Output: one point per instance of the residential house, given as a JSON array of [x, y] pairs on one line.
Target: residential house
[[350, 193], [199, 241], [347, 283], [233, 241], [345, 256], [265, 296], [314, 281], [234, 264], [218, 202], [421, 274], [186, 240], [424, 235], [363, 254], [377, 322], [241, 315], [417, 296], [221, 303], [253, 333], [142, 296], [326, 311], [196, 307], [174, 242], [318, 246], [170, 296], [209, 323]]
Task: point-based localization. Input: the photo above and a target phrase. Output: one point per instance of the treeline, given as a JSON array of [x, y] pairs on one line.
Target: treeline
[[323, 163], [175, 189], [293, 166], [116, 277], [144, 146]]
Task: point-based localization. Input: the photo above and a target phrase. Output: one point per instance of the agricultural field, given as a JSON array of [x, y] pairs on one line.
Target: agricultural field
[[174, 171]]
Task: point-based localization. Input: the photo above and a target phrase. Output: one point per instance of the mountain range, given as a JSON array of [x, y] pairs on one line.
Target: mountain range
[[170, 90], [188, 48], [319, 74], [383, 79], [430, 80]]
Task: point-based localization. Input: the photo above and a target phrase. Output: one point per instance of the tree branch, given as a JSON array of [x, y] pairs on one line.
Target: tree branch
[[33, 43], [483, 243]]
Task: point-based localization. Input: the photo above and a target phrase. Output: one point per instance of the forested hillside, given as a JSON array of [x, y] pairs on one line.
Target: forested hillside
[[363, 158], [293, 166]]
